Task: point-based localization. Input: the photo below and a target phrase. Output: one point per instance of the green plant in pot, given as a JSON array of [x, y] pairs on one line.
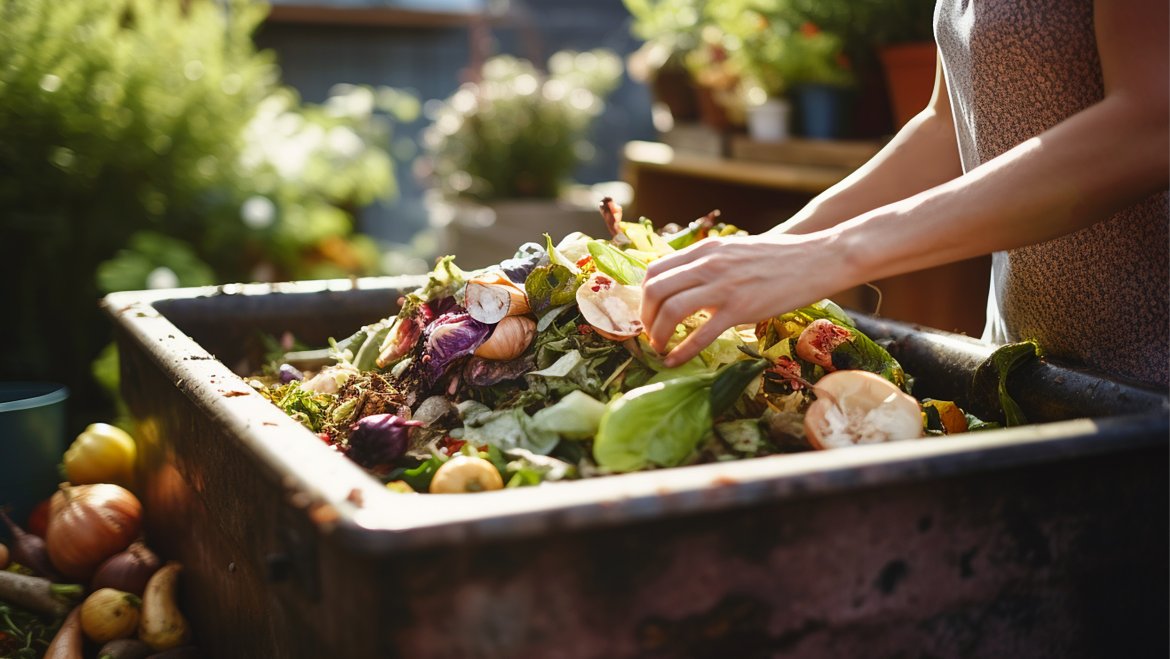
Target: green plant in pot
[[821, 79], [502, 149]]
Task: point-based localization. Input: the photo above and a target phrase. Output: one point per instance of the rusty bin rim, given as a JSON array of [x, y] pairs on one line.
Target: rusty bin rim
[[342, 500]]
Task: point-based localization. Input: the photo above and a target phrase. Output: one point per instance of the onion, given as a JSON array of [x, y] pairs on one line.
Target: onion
[[128, 570], [88, 524], [509, 340]]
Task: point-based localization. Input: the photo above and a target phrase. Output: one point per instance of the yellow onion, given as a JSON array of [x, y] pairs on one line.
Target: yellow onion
[[101, 454], [509, 340], [108, 614], [88, 524]]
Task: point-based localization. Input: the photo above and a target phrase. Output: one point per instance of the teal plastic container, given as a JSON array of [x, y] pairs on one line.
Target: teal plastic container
[[32, 440]]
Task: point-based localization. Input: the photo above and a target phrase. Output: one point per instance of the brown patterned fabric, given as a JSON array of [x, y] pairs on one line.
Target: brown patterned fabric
[[1099, 296]]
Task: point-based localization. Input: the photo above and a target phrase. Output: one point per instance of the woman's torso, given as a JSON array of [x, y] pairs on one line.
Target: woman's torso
[[1099, 296]]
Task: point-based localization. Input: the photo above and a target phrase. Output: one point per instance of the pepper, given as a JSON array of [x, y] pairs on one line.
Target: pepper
[[102, 453]]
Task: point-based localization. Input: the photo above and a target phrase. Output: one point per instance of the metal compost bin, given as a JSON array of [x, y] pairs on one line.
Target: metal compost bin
[[1049, 540]]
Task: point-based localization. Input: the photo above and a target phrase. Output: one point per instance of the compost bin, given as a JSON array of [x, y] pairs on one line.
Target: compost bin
[[1043, 540]]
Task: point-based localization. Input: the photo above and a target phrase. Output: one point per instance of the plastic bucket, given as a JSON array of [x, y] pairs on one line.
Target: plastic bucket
[[32, 439]]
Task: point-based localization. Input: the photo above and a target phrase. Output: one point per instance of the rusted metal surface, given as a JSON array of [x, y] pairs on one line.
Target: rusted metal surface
[[1047, 540]]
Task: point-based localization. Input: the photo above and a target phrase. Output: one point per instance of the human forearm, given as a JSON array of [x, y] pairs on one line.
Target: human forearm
[[1079, 172]]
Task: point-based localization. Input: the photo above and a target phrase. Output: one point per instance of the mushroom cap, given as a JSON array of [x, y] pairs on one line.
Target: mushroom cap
[[613, 309]]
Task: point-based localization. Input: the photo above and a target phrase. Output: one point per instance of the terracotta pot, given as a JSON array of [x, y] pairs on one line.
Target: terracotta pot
[[909, 69]]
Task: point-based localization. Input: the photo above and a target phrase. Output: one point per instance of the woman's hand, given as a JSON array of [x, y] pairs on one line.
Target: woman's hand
[[737, 280]]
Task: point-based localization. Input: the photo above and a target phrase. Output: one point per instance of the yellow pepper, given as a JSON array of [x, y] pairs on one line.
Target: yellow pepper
[[101, 454]]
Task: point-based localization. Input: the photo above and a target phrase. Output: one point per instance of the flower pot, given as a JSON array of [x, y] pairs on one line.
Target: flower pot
[[32, 439], [823, 110], [909, 69], [768, 122]]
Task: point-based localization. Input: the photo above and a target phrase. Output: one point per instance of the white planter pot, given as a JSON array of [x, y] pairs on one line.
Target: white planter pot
[[769, 122]]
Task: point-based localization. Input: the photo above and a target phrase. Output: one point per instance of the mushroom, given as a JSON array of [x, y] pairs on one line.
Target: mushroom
[[612, 309], [859, 407], [493, 297]]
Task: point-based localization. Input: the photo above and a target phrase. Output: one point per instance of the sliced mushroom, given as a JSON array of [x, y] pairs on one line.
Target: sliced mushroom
[[493, 297]]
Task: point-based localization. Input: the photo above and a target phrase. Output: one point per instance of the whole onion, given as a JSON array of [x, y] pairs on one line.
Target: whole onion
[[127, 571], [379, 439], [88, 524]]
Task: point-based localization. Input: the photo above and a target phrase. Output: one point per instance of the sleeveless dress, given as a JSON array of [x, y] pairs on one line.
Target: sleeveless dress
[[1098, 297]]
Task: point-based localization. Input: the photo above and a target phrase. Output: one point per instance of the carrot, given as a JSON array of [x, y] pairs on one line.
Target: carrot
[[68, 642]]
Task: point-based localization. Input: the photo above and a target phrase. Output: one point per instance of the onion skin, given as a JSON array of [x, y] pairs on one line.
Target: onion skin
[[127, 570], [88, 524]]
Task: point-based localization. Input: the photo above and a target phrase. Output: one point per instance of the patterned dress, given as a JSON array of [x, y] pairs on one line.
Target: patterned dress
[[1097, 297]]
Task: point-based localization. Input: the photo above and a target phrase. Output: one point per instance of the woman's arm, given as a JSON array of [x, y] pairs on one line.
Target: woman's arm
[[922, 155], [1079, 172]]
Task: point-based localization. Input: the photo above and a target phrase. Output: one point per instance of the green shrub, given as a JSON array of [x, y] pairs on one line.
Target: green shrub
[[517, 132], [147, 142]]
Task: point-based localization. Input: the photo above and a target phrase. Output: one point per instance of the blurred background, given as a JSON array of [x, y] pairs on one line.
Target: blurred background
[[167, 143]]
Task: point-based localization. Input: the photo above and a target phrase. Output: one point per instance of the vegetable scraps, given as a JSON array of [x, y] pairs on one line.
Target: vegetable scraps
[[537, 370]]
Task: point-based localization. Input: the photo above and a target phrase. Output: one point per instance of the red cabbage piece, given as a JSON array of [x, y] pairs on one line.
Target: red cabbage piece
[[446, 339]]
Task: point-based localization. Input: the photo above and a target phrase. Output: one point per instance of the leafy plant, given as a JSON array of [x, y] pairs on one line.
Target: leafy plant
[[149, 144], [517, 132], [778, 47]]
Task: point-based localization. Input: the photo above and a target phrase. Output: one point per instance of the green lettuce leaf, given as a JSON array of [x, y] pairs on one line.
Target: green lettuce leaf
[[625, 269]]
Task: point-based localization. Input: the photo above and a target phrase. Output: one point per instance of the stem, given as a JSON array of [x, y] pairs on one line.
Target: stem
[[66, 591]]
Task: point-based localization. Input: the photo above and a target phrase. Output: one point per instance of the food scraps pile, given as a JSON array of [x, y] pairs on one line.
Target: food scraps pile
[[538, 370]]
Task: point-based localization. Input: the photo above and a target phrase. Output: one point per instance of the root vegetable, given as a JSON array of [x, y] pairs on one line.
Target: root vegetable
[[29, 550], [161, 625], [4, 556], [88, 524], [109, 614], [69, 641], [37, 593], [509, 340], [464, 473], [859, 407], [125, 648], [127, 570]]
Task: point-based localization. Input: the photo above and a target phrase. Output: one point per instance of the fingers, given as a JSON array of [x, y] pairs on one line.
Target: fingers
[[673, 311], [698, 339], [661, 287]]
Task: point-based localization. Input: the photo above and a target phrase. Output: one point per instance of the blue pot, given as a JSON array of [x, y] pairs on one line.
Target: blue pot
[[32, 440], [823, 110]]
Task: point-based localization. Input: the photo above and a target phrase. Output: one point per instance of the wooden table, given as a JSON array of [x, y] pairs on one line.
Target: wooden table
[[675, 186]]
